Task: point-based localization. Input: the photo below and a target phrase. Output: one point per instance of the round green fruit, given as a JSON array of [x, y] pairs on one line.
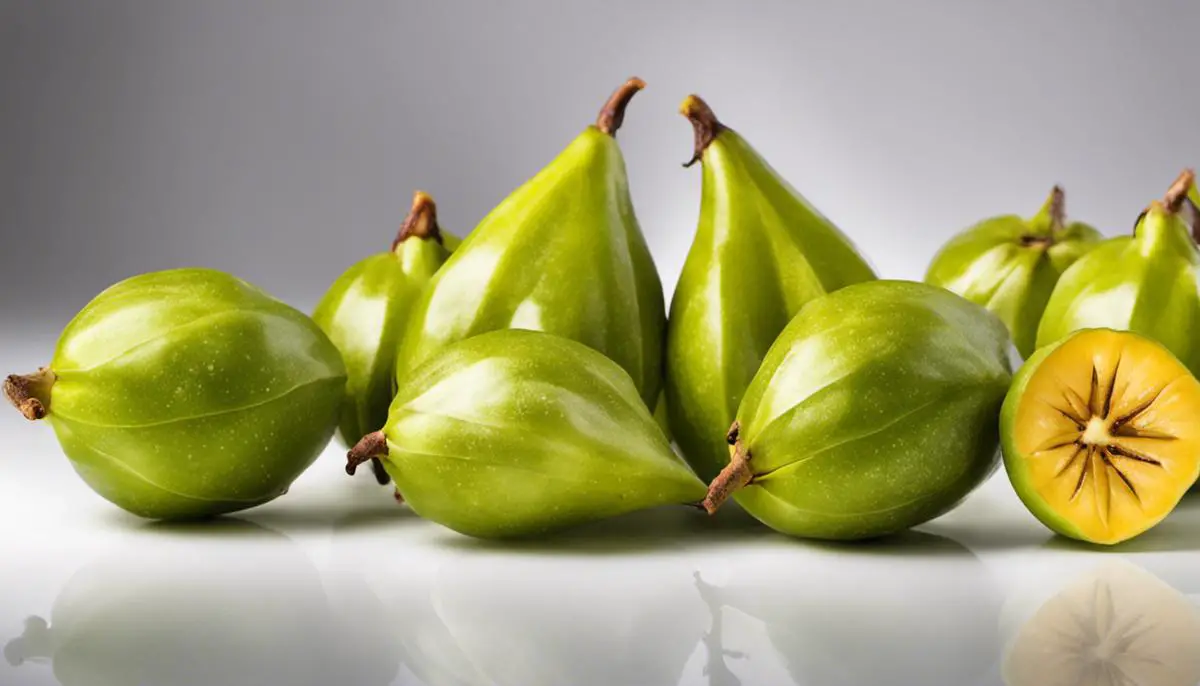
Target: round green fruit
[[365, 311], [1010, 264], [187, 393], [1148, 283], [516, 433], [874, 411]]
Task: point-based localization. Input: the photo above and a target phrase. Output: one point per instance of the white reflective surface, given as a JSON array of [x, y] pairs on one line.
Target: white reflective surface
[[334, 583]]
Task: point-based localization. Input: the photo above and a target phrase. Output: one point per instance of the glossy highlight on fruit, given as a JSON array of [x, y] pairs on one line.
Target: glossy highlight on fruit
[[1010, 264], [1100, 435], [365, 311], [517, 433], [187, 393], [562, 254], [1148, 283], [874, 411], [761, 252]]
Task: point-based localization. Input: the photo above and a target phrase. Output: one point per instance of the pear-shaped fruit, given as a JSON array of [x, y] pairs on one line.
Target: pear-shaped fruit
[[760, 253], [874, 411], [514, 433], [1100, 434], [366, 309], [1010, 264], [562, 254], [187, 393], [1117, 625], [1148, 283]]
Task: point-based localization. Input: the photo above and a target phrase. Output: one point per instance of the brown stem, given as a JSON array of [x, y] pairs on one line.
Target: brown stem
[[736, 475], [373, 445], [705, 123], [1178, 192], [1058, 209], [421, 221], [30, 393], [613, 113]]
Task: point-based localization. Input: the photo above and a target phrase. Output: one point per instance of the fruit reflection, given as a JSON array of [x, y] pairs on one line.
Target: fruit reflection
[[228, 603], [910, 609], [1117, 625]]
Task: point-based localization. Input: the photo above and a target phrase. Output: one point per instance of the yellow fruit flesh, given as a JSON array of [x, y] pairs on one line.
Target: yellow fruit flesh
[[1109, 433]]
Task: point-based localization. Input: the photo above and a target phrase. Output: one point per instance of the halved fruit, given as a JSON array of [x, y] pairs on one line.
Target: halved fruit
[[1100, 434]]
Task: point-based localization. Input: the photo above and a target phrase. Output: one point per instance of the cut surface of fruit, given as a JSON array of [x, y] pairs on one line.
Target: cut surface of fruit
[[1105, 435]]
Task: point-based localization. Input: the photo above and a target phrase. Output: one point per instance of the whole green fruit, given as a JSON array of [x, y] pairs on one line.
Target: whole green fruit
[[1148, 283], [187, 393], [1010, 264], [562, 254], [365, 311], [874, 411], [514, 433], [760, 253]]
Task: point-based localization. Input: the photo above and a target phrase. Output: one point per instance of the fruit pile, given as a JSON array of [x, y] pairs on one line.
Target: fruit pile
[[528, 378]]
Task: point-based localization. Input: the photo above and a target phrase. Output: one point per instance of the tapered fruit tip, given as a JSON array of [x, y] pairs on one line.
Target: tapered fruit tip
[[373, 445], [704, 122], [1178, 192], [421, 221], [30, 393], [612, 115]]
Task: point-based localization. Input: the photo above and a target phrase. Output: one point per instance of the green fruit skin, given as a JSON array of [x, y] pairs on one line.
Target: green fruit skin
[[562, 254], [760, 253], [876, 410], [188, 393], [364, 314], [518, 433], [988, 265], [1148, 284], [1015, 462]]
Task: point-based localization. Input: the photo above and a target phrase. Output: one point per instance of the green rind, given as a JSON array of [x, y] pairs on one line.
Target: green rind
[[760, 253], [562, 254], [189, 393], [1015, 463], [1147, 284], [987, 265], [876, 410], [364, 313], [518, 433]]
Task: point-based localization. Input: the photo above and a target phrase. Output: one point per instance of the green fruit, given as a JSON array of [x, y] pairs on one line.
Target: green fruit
[[1010, 264], [513, 433], [562, 254], [760, 253], [1148, 283], [187, 393], [874, 411], [1100, 434], [366, 309]]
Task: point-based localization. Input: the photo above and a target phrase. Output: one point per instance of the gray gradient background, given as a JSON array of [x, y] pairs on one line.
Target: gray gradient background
[[281, 141]]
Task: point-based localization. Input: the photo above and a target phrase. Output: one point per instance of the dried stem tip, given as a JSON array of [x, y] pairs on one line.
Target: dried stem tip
[[421, 221], [1178, 192], [736, 475], [30, 393], [1058, 208], [703, 121], [613, 113], [373, 445]]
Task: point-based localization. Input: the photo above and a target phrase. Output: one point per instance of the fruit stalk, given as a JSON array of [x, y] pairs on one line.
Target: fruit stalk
[[371, 447], [1177, 194], [613, 113], [736, 475], [30, 393], [1058, 209], [421, 221], [704, 122]]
